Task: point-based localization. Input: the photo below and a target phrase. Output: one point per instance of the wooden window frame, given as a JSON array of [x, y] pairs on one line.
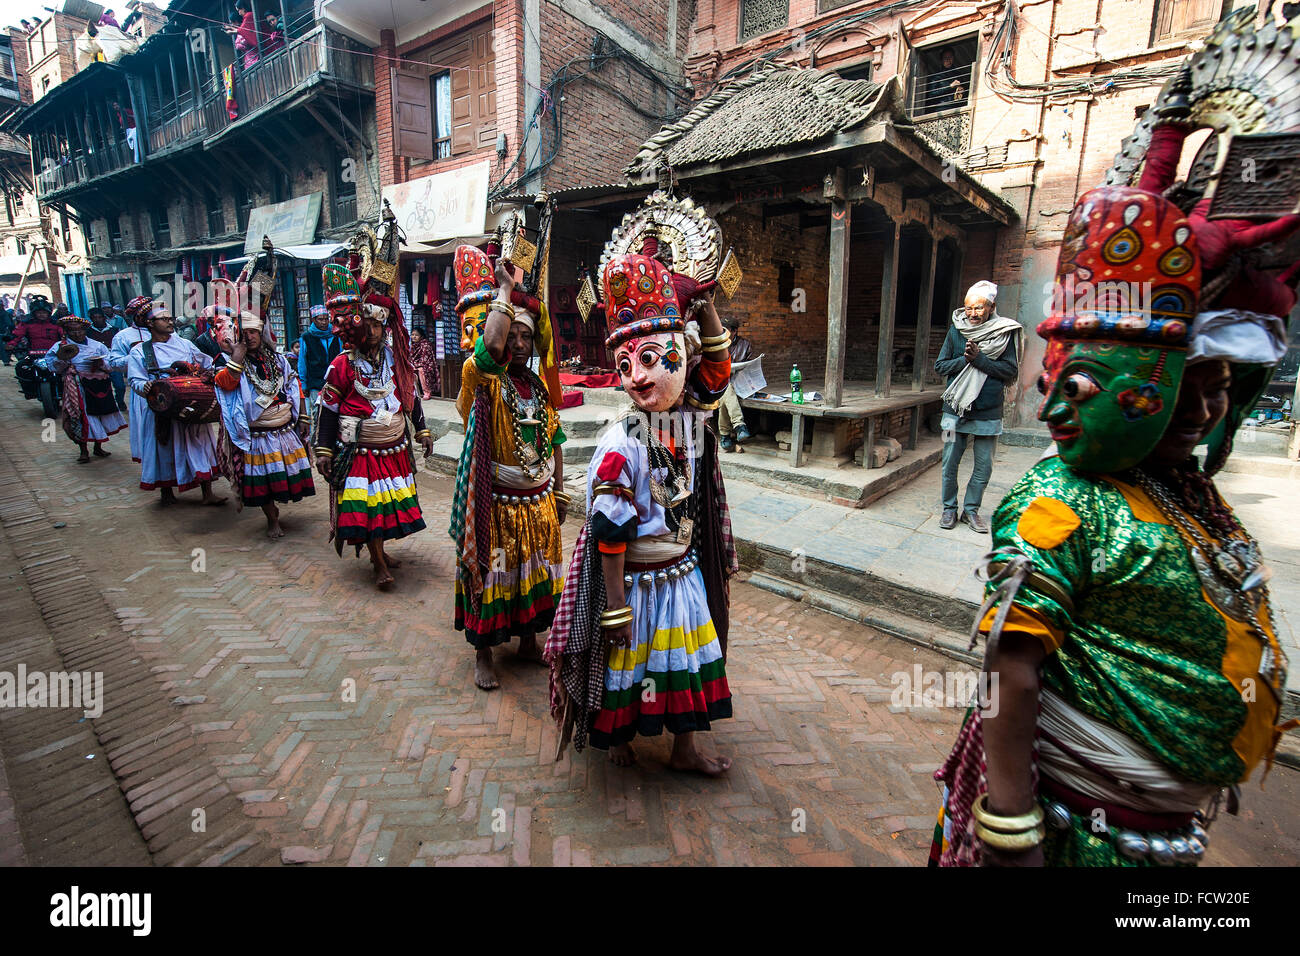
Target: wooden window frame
[[1165, 11], [469, 59], [441, 144]]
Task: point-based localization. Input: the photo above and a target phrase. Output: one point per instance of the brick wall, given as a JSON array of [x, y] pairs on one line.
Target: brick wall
[[599, 132], [784, 336], [57, 67], [1054, 151], [18, 42]]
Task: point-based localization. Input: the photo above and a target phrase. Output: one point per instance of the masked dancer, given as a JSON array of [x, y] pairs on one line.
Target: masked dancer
[[639, 641], [264, 425], [510, 495], [362, 445], [90, 412]]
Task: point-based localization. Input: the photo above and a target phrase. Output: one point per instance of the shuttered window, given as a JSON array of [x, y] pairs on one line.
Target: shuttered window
[[449, 109], [1177, 19], [412, 119]]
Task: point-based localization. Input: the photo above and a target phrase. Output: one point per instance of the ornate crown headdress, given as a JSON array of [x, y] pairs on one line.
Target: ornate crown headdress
[[685, 240]]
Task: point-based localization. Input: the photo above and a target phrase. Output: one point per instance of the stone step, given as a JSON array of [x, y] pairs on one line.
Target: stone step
[[844, 483], [447, 449], [579, 422], [1026, 437]]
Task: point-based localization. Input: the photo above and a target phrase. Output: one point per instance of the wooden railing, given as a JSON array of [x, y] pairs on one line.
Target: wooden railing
[[177, 130], [83, 166], [320, 51]]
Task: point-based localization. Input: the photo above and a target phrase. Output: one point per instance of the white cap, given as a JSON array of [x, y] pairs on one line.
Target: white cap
[[985, 290], [1235, 335]]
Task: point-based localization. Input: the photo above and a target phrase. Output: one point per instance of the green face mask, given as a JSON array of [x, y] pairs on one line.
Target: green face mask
[[1128, 282], [1111, 402]]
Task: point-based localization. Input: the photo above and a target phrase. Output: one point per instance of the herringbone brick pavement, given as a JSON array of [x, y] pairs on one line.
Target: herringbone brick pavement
[[264, 704]]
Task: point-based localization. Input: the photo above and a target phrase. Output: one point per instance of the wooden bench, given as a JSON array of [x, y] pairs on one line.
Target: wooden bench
[[869, 410]]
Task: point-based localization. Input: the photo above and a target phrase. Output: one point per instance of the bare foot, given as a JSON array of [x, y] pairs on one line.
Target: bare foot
[[168, 497], [687, 757], [485, 675], [391, 561], [83, 458], [100, 453], [383, 578], [211, 499], [528, 649], [273, 529], [622, 755]]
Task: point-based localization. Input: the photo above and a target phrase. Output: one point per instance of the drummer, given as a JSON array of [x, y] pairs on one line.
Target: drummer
[[187, 457]]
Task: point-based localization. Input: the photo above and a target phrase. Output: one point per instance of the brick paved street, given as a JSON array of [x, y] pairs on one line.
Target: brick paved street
[[227, 673]]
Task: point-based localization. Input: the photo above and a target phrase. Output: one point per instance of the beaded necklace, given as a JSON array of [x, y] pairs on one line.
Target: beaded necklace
[[265, 382], [678, 503], [532, 456], [1230, 567], [381, 379]]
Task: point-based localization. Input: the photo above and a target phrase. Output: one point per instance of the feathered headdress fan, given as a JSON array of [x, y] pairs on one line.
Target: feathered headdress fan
[[259, 275], [1241, 85], [679, 235]]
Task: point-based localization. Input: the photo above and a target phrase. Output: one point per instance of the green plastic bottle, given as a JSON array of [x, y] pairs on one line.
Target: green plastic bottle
[[796, 385]]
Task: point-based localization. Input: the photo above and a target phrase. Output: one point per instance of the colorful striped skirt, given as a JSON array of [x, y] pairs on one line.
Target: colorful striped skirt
[[276, 468], [673, 677], [379, 499], [522, 586]]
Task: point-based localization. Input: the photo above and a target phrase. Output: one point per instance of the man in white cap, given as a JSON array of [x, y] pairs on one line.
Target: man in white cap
[[979, 357]]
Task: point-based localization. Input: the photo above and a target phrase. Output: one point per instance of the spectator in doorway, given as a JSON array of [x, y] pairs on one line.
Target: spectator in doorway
[[946, 88], [425, 362], [980, 355], [732, 430], [106, 19]]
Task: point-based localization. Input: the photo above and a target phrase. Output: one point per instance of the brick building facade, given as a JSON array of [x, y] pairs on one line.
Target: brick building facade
[[1082, 86], [164, 155]]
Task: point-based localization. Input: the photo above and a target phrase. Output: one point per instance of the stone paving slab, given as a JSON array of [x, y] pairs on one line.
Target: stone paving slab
[[325, 724], [898, 538]]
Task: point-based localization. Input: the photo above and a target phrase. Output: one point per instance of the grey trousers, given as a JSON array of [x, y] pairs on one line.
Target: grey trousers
[[979, 476]]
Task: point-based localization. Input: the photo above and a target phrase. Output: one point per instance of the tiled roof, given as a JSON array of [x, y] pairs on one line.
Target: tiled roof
[[769, 110]]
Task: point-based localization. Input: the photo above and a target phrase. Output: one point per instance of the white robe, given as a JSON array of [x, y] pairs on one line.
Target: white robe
[[191, 454], [98, 427], [123, 342]]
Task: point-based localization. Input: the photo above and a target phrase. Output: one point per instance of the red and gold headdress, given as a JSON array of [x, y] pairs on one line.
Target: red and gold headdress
[[1128, 272], [476, 285], [639, 298], [666, 244]]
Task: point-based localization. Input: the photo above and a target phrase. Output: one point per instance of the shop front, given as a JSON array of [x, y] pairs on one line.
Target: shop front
[[436, 214]]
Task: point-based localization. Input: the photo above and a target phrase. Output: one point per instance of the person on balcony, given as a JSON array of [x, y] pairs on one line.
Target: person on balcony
[[245, 35], [274, 33]]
